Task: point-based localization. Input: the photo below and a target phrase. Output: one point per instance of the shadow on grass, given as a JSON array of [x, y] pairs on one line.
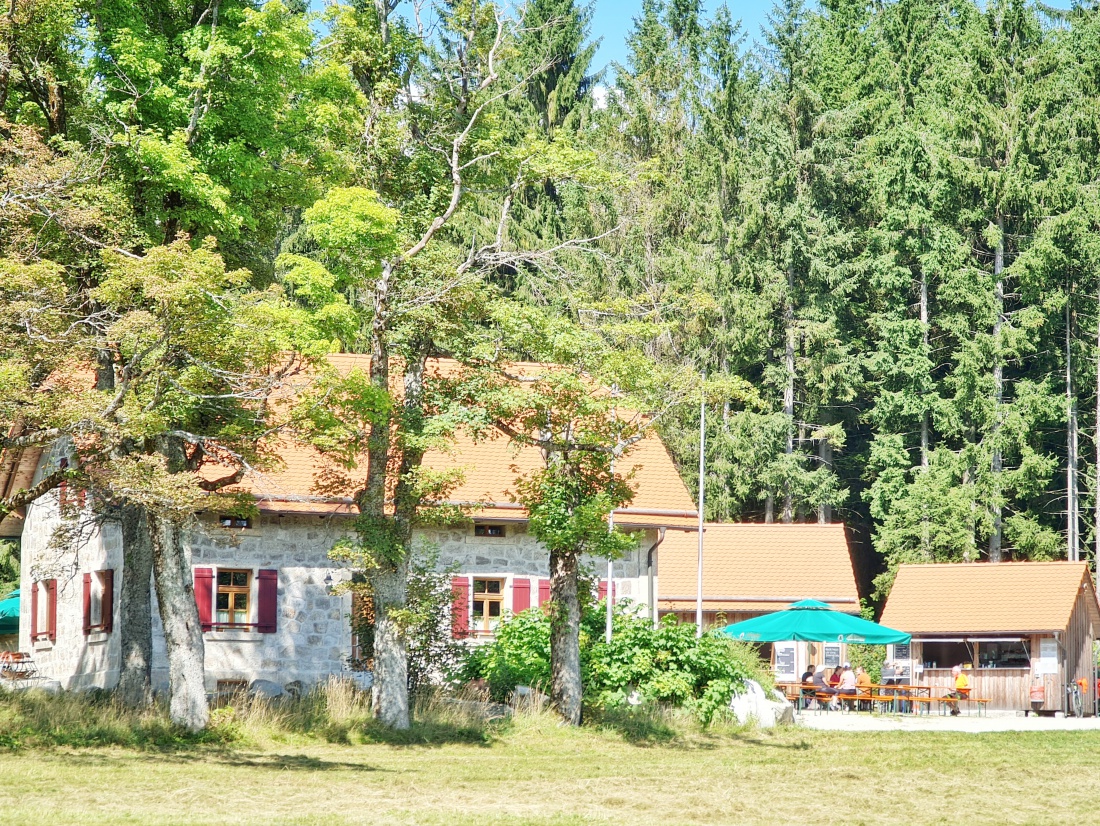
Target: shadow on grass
[[431, 732], [221, 757], [650, 727]]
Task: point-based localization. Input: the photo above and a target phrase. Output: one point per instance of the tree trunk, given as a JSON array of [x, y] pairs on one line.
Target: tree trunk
[[925, 419], [997, 464], [390, 692], [788, 390], [1096, 492], [565, 646], [825, 458], [135, 608], [925, 423], [1073, 517], [182, 632]]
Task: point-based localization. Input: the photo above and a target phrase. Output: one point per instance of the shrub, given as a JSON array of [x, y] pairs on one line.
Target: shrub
[[667, 665]]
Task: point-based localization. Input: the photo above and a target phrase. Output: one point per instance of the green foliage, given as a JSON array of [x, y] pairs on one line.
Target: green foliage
[[9, 568], [667, 665]]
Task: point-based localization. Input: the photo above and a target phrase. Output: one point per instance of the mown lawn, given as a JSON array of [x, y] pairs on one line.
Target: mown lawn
[[534, 771]]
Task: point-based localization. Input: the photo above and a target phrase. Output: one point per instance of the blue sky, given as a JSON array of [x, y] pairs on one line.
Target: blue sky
[[613, 19]]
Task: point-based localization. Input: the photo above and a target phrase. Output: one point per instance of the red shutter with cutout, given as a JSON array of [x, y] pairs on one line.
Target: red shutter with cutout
[[107, 602], [544, 591], [601, 589], [51, 608], [34, 612], [87, 604], [460, 606], [521, 594], [204, 596], [267, 600]]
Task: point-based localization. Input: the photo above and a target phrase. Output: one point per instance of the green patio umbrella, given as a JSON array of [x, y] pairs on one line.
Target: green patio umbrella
[[813, 621], [9, 614]]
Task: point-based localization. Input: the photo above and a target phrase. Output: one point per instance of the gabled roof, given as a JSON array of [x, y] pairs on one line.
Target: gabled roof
[[489, 466], [758, 568], [985, 598]]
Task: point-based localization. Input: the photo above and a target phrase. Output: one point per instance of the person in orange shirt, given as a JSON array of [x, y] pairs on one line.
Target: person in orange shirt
[[863, 686]]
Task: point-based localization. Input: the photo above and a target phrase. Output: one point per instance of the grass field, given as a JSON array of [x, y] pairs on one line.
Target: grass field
[[533, 771]]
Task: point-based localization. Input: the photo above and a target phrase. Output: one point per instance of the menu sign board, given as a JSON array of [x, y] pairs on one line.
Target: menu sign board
[[784, 661], [901, 651], [832, 656]]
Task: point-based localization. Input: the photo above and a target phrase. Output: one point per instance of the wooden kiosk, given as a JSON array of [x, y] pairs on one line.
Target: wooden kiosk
[[751, 569], [1005, 623]]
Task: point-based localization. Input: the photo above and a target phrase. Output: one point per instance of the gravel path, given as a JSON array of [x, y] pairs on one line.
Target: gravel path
[[996, 721]]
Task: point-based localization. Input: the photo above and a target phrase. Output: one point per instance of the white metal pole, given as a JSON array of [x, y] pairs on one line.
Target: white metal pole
[[610, 568], [702, 496]]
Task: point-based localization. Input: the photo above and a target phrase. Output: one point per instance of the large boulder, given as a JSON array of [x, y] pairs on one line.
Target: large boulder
[[525, 697], [752, 703], [266, 689]]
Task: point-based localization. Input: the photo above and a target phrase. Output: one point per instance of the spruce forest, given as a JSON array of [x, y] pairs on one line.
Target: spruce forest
[[869, 236]]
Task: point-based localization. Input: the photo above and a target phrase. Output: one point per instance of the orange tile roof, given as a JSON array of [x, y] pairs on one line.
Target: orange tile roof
[[489, 466], [757, 568], [983, 598]]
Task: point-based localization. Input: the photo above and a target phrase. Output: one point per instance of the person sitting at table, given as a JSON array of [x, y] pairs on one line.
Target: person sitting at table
[[833, 678], [888, 673], [962, 688], [863, 686], [822, 687], [847, 685], [808, 686]]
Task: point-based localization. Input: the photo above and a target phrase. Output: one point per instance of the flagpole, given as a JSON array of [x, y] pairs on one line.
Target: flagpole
[[702, 495]]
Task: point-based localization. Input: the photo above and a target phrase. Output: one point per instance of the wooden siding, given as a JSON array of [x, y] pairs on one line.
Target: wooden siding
[[1077, 643]]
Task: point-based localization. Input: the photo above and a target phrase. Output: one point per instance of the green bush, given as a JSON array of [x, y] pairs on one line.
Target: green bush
[[666, 665]]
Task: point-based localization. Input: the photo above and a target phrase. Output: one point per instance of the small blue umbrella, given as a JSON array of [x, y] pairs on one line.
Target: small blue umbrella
[[9, 614]]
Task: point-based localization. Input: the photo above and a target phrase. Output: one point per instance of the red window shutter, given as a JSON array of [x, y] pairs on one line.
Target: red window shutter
[[267, 600], [544, 591], [107, 602], [34, 612], [87, 604], [51, 608], [204, 596], [601, 589], [521, 594], [460, 606]]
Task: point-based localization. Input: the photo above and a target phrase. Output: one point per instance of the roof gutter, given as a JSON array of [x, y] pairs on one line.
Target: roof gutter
[[692, 598]]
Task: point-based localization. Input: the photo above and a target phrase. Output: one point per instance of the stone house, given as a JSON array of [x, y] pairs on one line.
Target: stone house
[[263, 586]]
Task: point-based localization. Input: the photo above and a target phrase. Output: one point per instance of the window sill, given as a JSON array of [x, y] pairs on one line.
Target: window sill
[[97, 637], [43, 645], [233, 635]]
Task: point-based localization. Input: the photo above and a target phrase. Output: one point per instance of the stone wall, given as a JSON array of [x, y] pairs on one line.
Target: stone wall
[[313, 637], [75, 659], [313, 634]]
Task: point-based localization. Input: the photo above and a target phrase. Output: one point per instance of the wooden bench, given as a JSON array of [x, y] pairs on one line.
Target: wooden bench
[[981, 703], [825, 700], [891, 700]]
